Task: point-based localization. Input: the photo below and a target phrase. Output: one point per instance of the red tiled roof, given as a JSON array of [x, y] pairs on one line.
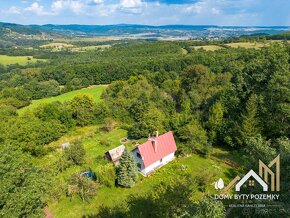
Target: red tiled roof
[[165, 146]]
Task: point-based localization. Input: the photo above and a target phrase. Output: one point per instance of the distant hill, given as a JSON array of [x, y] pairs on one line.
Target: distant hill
[[280, 36], [27, 35], [20, 29]]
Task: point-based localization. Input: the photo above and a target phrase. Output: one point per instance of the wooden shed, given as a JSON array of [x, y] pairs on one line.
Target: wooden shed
[[115, 154]]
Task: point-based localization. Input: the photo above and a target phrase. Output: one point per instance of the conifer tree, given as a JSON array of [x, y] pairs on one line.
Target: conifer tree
[[127, 173], [250, 126], [215, 119]]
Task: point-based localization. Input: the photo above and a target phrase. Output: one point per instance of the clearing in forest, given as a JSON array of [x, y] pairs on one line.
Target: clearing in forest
[[207, 47], [21, 60], [94, 91]]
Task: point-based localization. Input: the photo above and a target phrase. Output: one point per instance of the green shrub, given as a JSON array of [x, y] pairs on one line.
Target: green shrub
[[107, 175]]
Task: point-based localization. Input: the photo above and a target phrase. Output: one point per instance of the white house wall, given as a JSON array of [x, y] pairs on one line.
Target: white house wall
[[153, 166], [138, 159]]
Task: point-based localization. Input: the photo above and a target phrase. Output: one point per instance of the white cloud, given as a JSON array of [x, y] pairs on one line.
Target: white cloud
[[97, 1], [130, 3], [57, 5], [132, 6], [196, 8], [107, 10], [74, 5], [36, 8], [215, 11], [13, 10]]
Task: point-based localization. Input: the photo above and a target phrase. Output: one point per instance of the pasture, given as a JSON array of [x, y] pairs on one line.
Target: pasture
[[94, 91], [21, 60], [255, 45], [207, 47], [57, 45], [93, 47]]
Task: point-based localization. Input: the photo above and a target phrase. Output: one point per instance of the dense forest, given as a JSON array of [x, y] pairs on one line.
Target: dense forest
[[234, 98]]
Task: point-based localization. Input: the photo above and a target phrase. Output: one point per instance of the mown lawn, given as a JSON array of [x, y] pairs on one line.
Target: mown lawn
[[21, 60], [194, 165], [94, 91]]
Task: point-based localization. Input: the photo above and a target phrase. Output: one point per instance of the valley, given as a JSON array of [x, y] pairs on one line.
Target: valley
[[71, 94]]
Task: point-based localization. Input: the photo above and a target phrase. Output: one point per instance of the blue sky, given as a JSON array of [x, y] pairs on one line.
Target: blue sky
[[150, 12]]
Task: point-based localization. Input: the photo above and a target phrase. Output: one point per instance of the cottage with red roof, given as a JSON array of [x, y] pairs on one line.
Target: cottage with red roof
[[155, 153]]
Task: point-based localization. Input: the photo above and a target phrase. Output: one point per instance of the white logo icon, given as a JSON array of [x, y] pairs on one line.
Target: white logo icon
[[219, 184]]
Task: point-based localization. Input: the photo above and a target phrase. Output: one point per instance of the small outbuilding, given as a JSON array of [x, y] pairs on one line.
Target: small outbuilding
[[115, 154]]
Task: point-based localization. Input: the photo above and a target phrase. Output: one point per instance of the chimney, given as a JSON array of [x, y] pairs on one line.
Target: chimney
[[154, 143]]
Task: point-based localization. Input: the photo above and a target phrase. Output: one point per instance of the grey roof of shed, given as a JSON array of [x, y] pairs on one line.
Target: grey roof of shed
[[117, 152]]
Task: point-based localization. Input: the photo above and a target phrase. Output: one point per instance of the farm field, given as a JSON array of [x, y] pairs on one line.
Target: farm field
[[94, 47], [57, 44], [255, 45], [94, 39], [207, 47], [21, 60], [91, 137], [94, 91]]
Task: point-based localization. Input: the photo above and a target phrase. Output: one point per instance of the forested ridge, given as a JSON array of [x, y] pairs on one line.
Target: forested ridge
[[237, 99]]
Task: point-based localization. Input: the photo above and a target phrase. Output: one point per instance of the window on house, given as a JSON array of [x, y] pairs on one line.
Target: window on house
[[139, 155]]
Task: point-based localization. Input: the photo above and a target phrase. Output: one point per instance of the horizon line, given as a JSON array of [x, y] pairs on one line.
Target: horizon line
[[134, 24]]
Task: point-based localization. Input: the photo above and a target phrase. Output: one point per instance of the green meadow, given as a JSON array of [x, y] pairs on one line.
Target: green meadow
[[207, 47], [21, 60], [94, 91]]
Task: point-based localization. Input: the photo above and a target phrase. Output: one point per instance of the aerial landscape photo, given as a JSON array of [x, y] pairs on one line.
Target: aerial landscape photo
[[144, 108]]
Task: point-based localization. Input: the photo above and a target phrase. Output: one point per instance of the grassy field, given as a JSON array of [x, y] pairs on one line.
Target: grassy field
[[91, 137], [56, 45], [94, 91], [94, 47], [93, 39], [208, 47], [255, 45], [21, 60]]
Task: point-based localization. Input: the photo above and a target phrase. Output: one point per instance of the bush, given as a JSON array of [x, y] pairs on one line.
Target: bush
[[82, 186], [75, 153], [107, 175], [109, 125], [205, 178]]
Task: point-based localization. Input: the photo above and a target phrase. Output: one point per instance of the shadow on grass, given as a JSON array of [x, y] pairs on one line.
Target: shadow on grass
[[231, 157]]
